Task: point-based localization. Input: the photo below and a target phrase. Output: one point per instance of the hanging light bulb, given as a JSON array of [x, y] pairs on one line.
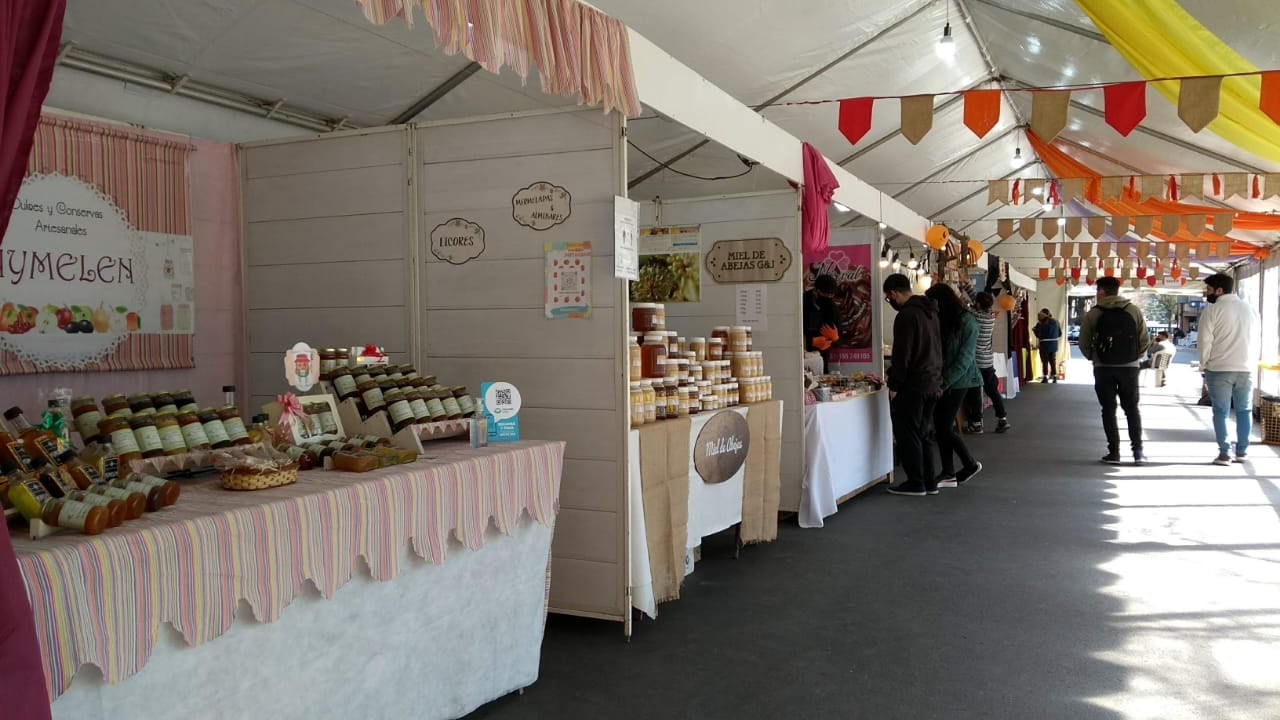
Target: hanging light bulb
[[1062, 221], [1016, 160], [883, 225], [897, 264], [946, 47]]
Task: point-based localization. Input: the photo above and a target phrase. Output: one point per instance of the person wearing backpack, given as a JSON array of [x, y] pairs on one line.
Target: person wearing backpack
[[1114, 336]]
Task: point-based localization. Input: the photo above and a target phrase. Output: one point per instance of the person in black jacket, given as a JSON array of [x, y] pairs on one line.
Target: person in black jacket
[[915, 380], [821, 317]]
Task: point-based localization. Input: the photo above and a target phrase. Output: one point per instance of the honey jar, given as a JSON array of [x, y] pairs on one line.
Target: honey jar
[[146, 435], [116, 405], [85, 412]]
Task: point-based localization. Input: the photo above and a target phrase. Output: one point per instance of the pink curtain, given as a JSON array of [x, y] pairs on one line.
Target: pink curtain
[[30, 31], [819, 187]]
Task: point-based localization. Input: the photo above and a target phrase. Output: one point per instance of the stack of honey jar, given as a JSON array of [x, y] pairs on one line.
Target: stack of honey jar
[[673, 376], [399, 391]]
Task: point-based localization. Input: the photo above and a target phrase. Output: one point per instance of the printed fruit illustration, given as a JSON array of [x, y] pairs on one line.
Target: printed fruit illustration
[[134, 322], [24, 320], [85, 326], [47, 321], [8, 315], [72, 328], [79, 313], [64, 318], [101, 321], [29, 314]]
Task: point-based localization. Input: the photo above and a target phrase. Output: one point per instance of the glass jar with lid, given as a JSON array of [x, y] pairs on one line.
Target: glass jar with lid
[[673, 344], [117, 431], [650, 401], [636, 404], [633, 356], [86, 415], [672, 369], [660, 400], [328, 362], [141, 404], [465, 401], [170, 434], [185, 400], [671, 387], [146, 435], [733, 394], [682, 369], [740, 339], [715, 349], [163, 402], [647, 317], [722, 332], [435, 405], [371, 400], [417, 404], [452, 410], [344, 383], [234, 425], [193, 433], [399, 410], [653, 350], [214, 429], [698, 346], [695, 371], [116, 405]]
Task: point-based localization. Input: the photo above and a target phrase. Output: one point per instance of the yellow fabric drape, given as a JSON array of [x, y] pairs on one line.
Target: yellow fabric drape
[[1160, 39]]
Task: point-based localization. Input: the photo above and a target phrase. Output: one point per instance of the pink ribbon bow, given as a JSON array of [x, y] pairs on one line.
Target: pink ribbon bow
[[290, 408]]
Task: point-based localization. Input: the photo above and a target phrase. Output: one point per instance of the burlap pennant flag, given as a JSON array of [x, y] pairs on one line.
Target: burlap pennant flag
[[1198, 101], [1162, 250], [1050, 249], [1192, 186], [1097, 226], [1195, 224], [1072, 189], [1195, 273], [1235, 184], [1086, 250], [1004, 228], [1135, 283], [1075, 263], [916, 117], [1153, 187], [1060, 273], [1143, 250], [1104, 249], [1049, 113], [1126, 274], [1182, 251], [1271, 185], [1169, 225], [1223, 222], [1142, 225], [1074, 225], [1119, 226], [1067, 250], [998, 192], [1222, 250], [1111, 187], [1027, 228], [1031, 185], [1202, 250], [1049, 228]]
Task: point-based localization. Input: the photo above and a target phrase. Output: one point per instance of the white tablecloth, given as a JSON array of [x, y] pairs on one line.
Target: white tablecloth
[[848, 445]]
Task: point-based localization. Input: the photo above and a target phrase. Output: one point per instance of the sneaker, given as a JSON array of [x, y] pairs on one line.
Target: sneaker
[[1003, 426], [1241, 458], [967, 474], [908, 489], [1139, 458], [1055, 381], [972, 429], [1111, 458], [1044, 380], [1223, 459], [947, 481]]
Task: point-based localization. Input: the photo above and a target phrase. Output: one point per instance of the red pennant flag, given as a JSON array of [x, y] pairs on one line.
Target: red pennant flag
[[1151, 280], [1075, 273], [855, 118], [1133, 186], [1126, 105], [981, 111], [1173, 188], [1217, 185], [1257, 187], [1044, 273], [1269, 102], [1054, 197], [1017, 188], [1142, 271]]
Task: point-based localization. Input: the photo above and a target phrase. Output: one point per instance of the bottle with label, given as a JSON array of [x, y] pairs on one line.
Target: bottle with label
[[37, 442], [84, 411], [169, 490], [452, 410], [141, 404], [171, 438], [399, 410], [164, 402], [25, 493], [237, 433], [116, 405], [115, 508], [214, 429], [52, 480], [465, 401], [260, 432], [419, 406], [13, 452], [75, 515], [153, 494], [135, 503], [229, 395], [146, 435], [192, 430], [479, 426], [80, 472], [344, 383], [185, 401], [371, 399], [124, 443]]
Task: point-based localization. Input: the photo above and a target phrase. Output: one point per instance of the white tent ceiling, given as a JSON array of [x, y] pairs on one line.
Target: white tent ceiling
[[328, 64]]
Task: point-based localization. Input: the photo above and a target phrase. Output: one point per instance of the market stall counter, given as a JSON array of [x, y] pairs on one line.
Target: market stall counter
[[848, 445], [431, 636]]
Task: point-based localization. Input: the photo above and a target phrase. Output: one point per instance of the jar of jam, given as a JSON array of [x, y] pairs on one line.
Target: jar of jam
[[185, 401], [715, 349], [115, 508], [214, 430], [164, 402], [193, 433], [154, 498], [427, 380], [410, 373], [673, 368], [387, 384], [344, 383], [85, 412], [722, 332], [653, 350], [452, 410], [465, 402], [734, 394], [141, 404], [418, 405], [328, 362], [377, 372], [146, 435], [171, 438], [237, 433], [66, 513], [116, 405], [117, 431], [344, 357], [134, 503], [398, 410], [395, 372], [434, 404], [691, 399], [633, 357], [371, 400], [644, 318], [328, 423]]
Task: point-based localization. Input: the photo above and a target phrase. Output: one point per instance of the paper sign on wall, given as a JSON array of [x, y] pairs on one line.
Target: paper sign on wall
[[670, 267], [752, 307], [626, 242], [568, 280], [501, 410]]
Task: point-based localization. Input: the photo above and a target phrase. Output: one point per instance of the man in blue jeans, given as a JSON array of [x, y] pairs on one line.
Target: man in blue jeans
[[1229, 345]]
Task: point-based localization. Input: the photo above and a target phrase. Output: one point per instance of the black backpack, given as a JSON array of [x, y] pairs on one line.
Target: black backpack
[[1115, 337]]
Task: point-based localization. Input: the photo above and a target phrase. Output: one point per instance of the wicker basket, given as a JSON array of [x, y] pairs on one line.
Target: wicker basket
[[1270, 420], [244, 479]]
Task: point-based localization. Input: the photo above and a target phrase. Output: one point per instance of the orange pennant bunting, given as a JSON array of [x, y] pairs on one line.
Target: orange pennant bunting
[[981, 111], [1269, 98]]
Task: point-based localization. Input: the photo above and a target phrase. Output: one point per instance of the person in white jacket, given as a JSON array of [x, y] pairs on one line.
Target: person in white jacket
[[1229, 348]]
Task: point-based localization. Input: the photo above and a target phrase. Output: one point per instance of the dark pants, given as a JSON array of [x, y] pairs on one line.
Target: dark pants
[[1119, 382], [912, 414], [950, 443], [1049, 362], [973, 397]]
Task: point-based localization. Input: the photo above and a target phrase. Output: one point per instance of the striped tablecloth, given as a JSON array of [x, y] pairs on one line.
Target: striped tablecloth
[[101, 600]]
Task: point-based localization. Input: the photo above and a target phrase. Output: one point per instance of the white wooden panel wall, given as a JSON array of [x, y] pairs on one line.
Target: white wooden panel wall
[[483, 320], [327, 248], [736, 218]]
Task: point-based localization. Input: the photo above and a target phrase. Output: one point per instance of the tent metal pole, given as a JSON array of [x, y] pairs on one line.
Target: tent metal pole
[[437, 93]]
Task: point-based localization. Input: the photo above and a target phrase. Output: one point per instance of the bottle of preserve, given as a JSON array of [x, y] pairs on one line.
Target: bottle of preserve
[[37, 442]]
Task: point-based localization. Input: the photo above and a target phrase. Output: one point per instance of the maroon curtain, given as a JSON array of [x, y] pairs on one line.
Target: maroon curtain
[[30, 31]]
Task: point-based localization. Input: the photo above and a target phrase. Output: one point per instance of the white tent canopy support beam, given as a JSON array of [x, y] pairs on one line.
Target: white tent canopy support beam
[[675, 90], [1053, 22], [436, 95], [790, 88]]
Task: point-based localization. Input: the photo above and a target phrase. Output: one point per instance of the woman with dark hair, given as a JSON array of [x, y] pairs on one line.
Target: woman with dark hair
[[1049, 334], [960, 372]]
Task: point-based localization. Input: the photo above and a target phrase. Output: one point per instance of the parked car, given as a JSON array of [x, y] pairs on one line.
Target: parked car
[[1073, 334]]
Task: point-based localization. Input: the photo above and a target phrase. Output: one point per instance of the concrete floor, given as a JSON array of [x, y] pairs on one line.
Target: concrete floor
[[1051, 587]]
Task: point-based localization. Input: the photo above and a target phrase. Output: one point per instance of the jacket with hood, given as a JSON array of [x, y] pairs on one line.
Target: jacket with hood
[[917, 348], [1090, 322], [959, 357]]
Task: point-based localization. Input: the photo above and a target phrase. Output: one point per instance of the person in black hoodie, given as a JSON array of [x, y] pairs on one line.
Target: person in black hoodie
[[915, 380], [821, 317]]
